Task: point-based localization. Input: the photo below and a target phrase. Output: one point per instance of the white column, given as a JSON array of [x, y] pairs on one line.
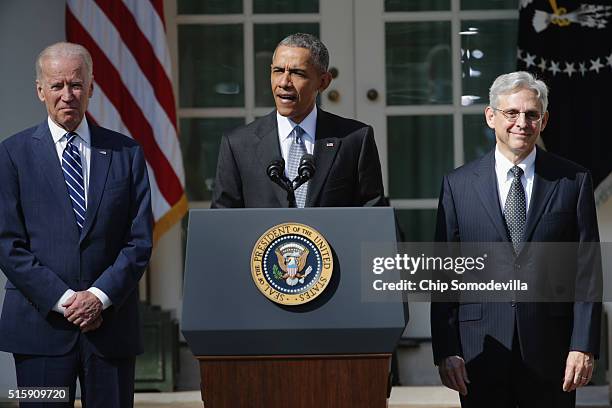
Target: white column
[[165, 273]]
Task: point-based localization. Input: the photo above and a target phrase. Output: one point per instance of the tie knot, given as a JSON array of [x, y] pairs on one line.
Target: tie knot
[[70, 137], [298, 132], [516, 171]]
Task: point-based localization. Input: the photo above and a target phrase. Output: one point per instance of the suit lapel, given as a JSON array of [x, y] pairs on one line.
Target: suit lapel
[[486, 187], [325, 151], [268, 149], [100, 160], [49, 165], [544, 183]]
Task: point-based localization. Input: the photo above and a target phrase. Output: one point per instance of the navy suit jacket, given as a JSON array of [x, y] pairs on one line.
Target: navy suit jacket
[[43, 254], [562, 209], [347, 172]]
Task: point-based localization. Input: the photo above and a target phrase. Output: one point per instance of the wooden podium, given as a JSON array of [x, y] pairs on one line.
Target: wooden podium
[[337, 381], [334, 351]]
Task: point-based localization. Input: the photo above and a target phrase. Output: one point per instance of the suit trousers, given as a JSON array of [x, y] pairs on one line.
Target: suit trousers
[[500, 378], [105, 383]]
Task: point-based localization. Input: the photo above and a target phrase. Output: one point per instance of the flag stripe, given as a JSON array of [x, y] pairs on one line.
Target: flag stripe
[[133, 90], [152, 28], [110, 81], [159, 204], [158, 5], [102, 110], [143, 53], [107, 38]]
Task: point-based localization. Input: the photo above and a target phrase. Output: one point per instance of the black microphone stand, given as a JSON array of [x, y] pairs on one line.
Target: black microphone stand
[[276, 173]]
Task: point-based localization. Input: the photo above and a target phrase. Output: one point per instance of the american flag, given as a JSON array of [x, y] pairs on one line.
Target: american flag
[[133, 90]]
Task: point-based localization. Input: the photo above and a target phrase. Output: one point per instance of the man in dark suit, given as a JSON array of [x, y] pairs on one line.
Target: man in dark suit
[[75, 238], [347, 165], [509, 354]]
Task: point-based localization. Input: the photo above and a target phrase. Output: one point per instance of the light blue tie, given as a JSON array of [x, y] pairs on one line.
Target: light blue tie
[[296, 151], [73, 175]]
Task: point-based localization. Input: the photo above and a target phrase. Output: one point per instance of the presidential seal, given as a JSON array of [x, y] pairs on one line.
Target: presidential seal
[[291, 264]]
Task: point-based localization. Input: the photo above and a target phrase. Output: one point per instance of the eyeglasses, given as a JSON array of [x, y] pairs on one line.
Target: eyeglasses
[[513, 115]]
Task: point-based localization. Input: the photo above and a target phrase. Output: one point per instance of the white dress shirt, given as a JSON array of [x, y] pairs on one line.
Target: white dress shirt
[[285, 127], [83, 144], [504, 176]]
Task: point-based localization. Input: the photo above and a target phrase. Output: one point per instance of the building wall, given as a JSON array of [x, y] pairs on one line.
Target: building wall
[[20, 44]]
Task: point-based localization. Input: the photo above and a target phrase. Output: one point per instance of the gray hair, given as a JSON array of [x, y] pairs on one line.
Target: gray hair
[[65, 49], [514, 81], [318, 50]]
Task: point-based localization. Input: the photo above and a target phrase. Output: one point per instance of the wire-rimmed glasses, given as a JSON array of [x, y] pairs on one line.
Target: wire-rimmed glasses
[[512, 115]]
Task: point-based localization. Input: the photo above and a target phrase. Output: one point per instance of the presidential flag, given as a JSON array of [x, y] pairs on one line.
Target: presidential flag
[[568, 44], [133, 89]]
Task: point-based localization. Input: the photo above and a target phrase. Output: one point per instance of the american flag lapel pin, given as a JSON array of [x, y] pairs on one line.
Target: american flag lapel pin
[[330, 144]]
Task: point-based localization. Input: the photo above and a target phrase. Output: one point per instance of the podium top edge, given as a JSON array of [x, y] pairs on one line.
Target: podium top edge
[[293, 209]]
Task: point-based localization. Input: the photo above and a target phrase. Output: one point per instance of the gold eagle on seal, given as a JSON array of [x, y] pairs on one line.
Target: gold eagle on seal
[[291, 260]]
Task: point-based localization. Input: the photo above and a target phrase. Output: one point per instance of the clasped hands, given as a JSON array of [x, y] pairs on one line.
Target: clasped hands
[[84, 309], [578, 372]]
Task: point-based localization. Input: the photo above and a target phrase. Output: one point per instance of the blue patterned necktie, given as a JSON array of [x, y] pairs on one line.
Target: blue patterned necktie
[[296, 151], [73, 175], [515, 209]]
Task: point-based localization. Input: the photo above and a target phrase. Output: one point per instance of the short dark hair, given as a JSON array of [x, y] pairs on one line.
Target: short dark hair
[[318, 50]]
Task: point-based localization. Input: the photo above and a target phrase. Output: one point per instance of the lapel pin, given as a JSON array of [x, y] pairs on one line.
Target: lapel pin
[[330, 144], [102, 151]]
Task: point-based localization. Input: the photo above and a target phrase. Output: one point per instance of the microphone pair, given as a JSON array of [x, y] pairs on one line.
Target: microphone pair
[[306, 170]]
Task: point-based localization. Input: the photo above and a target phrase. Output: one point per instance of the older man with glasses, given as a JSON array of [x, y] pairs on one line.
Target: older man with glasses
[[514, 354]]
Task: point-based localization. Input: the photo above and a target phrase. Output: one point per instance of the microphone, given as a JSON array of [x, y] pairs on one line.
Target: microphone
[[306, 170], [307, 167], [276, 169], [276, 173]]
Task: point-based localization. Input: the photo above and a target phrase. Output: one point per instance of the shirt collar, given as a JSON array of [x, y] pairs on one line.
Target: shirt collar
[[286, 125], [504, 165], [58, 132]]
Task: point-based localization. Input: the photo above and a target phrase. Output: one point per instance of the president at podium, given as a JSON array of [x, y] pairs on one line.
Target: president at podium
[[341, 153]]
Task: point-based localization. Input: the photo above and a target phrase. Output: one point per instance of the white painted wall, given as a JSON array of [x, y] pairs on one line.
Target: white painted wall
[[166, 272], [20, 108]]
